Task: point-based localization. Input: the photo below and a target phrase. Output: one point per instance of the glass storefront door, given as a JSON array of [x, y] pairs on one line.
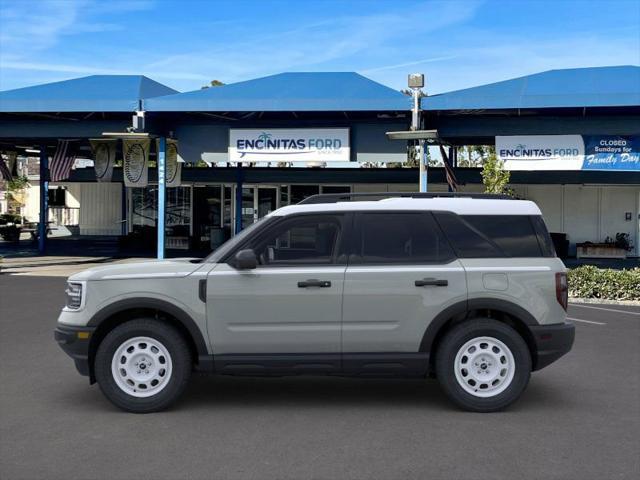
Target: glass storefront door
[[257, 202]]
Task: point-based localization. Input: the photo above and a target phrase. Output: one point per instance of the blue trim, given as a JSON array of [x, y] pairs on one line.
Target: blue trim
[[162, 190], [44, 200]]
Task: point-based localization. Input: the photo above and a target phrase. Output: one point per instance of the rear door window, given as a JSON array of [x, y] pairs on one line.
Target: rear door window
[[400, 238]]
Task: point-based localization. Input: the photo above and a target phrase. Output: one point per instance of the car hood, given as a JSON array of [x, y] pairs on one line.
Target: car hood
[[174, 268]]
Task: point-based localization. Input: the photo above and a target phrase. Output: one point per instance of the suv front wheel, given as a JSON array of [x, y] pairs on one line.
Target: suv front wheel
[[483, 365], [143, 365]]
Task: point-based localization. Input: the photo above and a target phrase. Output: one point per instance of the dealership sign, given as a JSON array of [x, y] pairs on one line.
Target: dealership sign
[[541, 152], [289, 145], [569, 152], [611, 152]]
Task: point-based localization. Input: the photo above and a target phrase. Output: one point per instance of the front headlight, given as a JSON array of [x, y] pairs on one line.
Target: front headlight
[[74, 295]]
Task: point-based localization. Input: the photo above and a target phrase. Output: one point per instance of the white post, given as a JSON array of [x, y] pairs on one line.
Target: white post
[[421, 153]]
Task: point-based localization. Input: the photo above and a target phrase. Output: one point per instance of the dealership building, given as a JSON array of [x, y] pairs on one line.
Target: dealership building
[[571, 139]]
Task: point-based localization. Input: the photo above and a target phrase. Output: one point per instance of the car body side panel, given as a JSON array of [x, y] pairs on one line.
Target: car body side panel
[[263, 311], [527, 282], [181, 292], [384, 311]]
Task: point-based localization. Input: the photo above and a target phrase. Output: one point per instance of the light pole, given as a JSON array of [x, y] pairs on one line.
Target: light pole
[[416, 83]]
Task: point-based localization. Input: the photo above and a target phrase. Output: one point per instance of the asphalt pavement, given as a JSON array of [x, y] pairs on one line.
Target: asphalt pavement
[[578, 419]]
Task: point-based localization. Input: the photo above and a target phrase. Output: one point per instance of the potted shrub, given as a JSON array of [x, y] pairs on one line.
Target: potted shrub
[[610, 248], [10, 227]]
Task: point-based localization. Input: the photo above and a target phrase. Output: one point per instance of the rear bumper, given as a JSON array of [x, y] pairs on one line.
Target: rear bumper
[[75, 343], [552, 342]]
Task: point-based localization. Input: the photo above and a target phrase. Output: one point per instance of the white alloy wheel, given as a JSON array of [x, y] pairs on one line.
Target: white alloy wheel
[[141, 367], [484, 367]]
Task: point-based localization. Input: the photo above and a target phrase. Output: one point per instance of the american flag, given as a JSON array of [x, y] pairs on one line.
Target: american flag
[[448, 169], [5, 172], [62, 161]]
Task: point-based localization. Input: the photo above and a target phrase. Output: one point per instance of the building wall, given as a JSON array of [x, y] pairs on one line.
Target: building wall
[[31, 208], [584, 212], [100, 209], [587, 213]]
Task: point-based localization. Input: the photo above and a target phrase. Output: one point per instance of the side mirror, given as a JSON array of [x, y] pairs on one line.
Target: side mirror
[[245, 260]]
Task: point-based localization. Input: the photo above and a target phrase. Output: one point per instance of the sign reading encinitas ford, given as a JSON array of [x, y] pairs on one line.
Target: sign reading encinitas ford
[[541, 152], [569, 152], [289, 145]]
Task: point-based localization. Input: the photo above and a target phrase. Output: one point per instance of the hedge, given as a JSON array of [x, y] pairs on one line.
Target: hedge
[[588, 281]]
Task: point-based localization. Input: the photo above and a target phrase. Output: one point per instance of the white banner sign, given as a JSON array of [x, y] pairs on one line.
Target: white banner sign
[[289, 145], [136, 162], [104, 157], [541, 152]]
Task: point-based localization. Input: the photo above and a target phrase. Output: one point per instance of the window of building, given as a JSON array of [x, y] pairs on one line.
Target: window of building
[[143, 207], [57, 197], [336, 189], [144, 213], [399, 237], [303, 240], [300, 192]]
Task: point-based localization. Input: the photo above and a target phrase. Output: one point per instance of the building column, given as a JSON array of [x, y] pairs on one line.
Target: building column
[[162, 190], [423, 157], [239, 180], [44, 200]]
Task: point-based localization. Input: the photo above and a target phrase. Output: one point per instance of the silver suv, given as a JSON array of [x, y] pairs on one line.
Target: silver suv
[[466, 289]]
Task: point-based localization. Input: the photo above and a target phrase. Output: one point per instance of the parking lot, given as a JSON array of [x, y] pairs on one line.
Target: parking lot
[[579, 418]]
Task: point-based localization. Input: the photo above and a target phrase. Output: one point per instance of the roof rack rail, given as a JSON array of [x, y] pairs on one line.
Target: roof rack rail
[[354, 197]]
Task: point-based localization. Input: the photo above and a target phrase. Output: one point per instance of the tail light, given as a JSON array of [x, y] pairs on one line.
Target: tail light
[[562, 289]]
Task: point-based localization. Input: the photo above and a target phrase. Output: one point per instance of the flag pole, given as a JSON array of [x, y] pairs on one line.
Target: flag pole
[[44, 200]]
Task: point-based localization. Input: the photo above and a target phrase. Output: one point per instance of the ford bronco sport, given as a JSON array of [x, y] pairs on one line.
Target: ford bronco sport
[[463, 288]]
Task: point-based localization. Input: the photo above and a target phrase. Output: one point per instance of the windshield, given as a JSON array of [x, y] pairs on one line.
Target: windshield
[[229, 245]]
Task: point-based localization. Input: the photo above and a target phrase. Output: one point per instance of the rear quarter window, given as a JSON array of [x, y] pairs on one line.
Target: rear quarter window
[[491, 236]]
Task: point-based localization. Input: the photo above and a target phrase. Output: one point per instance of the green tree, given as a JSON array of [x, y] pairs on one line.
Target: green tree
[[494, 177], [15, 195], [213, 83]]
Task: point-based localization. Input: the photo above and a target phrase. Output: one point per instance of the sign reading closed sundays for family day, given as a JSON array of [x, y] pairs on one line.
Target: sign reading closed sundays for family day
[[289, 145]]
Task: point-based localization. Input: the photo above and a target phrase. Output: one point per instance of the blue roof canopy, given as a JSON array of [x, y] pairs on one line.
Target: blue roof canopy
[[576, 87], [288, 92], [96, 93]]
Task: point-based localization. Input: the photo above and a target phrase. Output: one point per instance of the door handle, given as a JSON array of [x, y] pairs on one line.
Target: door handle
[[432, 282], [314, 283]]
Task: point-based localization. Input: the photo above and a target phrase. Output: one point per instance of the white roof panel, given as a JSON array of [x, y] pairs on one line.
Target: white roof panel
[[461, 206]]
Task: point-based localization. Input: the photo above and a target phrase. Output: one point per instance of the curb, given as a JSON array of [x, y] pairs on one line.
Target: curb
[[601, 301]]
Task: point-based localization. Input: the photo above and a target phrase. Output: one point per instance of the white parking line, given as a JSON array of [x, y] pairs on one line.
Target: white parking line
[[585, 321], [602, 308]]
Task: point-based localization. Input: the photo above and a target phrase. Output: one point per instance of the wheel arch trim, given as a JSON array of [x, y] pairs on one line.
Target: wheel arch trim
[[154, 304], [461, 309]]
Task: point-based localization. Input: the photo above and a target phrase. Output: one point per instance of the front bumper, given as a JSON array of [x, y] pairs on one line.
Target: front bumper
[[75, 343], [552, 342]]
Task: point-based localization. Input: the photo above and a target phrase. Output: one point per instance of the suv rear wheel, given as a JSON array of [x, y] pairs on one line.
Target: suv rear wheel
[[143, 365], [483, 365]]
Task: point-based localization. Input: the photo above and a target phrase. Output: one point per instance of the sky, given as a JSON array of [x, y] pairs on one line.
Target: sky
[[185, 44]]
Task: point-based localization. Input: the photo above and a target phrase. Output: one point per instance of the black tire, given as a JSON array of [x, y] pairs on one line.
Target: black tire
[[180, 358], [456, 338]]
